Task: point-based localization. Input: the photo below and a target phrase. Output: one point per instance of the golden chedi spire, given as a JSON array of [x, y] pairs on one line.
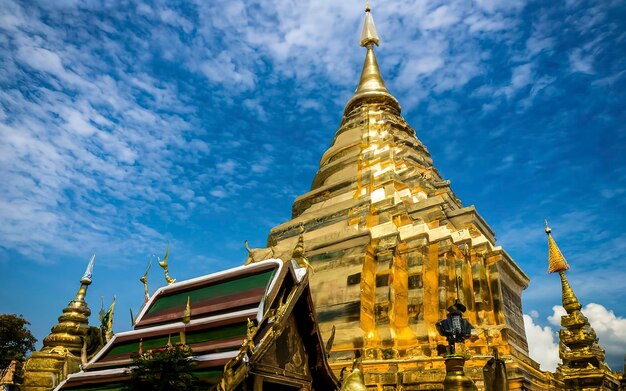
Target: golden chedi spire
[[583, 358], [558, 264], [371, 86], [74, 322], [556, 260]]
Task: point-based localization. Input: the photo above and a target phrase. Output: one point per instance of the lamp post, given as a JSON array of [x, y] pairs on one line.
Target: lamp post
[[455, 329]]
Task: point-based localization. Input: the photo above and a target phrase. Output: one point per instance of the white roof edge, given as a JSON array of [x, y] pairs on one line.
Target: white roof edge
[[217, 356], [261, 310]]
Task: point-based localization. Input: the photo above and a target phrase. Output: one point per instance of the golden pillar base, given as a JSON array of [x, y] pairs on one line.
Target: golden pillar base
[[456, 380]]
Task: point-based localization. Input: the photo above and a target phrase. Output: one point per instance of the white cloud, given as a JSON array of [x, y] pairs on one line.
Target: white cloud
[[218, 192], [610, 329], [521, 76], [495, 5], [87, 153], [541, 344], [579, 62], [557, 312], [224, 69], [443, 16], [227, 167]]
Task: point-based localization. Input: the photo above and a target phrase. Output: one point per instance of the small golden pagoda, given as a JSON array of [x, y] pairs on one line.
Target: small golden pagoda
[[69, 344], [583, 366]]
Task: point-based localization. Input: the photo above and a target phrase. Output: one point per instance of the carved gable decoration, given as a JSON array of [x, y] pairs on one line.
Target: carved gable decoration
[[287, 355]]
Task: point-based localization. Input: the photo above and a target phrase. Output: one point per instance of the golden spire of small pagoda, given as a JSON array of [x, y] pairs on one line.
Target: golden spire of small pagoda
[[558, 264], [556, 260], [74, 322], [371, 86], [578, 347]]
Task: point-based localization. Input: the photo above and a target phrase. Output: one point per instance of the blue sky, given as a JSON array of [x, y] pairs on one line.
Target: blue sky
[[126, 125]]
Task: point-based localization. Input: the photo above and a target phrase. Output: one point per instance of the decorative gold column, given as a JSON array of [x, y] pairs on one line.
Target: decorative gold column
[[368, 302], [399, 299]]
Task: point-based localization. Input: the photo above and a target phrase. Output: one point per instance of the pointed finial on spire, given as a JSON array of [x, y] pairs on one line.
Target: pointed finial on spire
[[86, 279], [556, 260], [369, 35], [371, 88], [548, 230]]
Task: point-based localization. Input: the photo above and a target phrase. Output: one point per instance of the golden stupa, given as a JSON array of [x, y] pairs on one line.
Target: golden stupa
[[70, 343], [392, 247]]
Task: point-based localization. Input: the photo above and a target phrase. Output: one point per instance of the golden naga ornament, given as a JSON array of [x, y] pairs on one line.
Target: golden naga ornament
[[144, 281], [106, 326], [163, 264]]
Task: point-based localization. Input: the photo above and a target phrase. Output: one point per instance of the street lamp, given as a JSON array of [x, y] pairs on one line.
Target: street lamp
[[455, 329]]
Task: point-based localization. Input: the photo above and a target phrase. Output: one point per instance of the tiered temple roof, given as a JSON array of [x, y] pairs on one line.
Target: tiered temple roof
[[247, 325]]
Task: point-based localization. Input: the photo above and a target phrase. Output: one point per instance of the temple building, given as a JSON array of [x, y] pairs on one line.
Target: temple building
[[249, 328]]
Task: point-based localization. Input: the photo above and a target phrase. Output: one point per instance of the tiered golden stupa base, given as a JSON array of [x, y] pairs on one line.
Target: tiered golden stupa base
[[44, 370]]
